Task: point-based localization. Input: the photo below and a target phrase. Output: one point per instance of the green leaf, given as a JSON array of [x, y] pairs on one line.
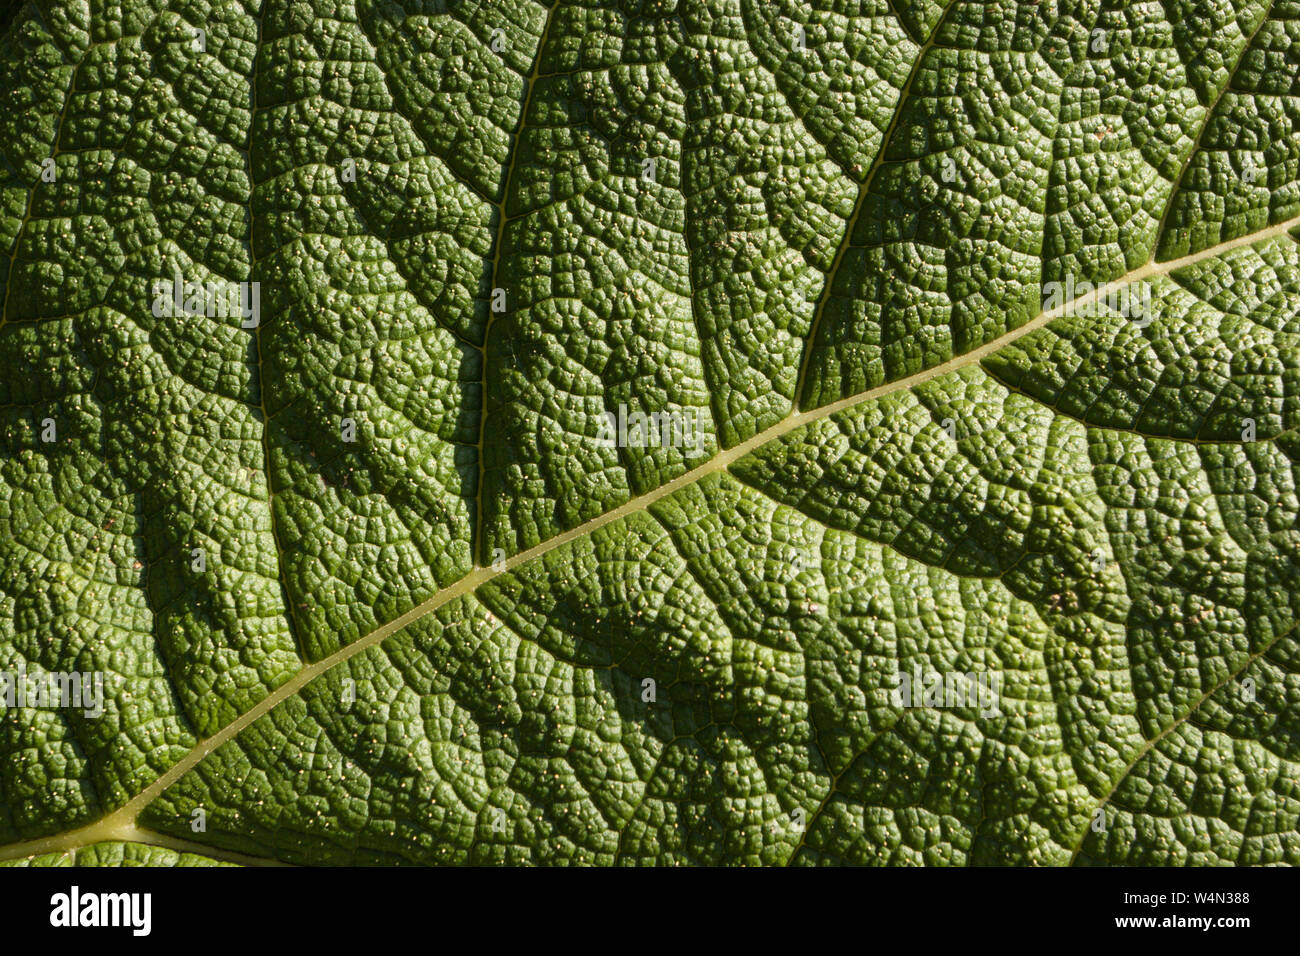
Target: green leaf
[[116, 854], [978, 324]]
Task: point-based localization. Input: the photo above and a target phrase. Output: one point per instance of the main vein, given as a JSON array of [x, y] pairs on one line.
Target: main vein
[[115, 825]]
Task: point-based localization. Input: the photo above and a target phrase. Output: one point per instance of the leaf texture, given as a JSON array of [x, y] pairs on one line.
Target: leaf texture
[[885, 256]]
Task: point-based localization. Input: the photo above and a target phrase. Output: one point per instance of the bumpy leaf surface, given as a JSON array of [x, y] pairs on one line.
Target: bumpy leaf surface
[[833, 234]]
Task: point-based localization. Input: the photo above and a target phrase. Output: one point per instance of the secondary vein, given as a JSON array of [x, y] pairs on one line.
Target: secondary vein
[[110, 826]]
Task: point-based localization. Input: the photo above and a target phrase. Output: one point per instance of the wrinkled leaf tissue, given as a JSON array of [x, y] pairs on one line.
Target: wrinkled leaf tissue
[[677, 431]]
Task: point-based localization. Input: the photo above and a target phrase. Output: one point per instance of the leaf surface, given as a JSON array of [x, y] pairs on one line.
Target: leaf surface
[[889, 256]]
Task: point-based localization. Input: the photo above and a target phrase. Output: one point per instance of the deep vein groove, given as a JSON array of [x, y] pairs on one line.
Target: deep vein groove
[[1174, 725], [146, 837], [113, 825], [864, 191], [1150, 436], [907, 29], [286, 595], [1200, 136], [54, 154], [476, 543]]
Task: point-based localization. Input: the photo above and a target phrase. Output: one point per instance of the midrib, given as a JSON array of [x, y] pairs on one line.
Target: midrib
[[120, 825]]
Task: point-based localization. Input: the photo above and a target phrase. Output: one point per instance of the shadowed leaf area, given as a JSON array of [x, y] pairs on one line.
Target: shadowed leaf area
[[650, 432]]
